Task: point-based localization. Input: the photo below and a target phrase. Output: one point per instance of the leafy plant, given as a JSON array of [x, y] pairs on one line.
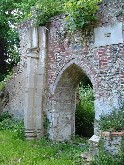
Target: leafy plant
[[5, 115], [46, 124], [113, 121], [7, 122], [16, 126], [81, 13], [46, 10]]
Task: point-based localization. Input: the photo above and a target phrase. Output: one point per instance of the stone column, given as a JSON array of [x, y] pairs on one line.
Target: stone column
[[30, 94], [35, 83], [34, 86]]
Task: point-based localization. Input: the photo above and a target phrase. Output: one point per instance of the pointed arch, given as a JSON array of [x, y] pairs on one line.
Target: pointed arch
[[85, 66]]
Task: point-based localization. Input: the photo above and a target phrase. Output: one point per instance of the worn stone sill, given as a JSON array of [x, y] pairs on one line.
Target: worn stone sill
[[113, 134]]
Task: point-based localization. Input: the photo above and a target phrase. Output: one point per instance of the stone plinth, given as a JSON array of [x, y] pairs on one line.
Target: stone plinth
[[112, 141]]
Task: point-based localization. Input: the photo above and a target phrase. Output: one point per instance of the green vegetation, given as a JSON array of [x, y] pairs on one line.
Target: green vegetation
[[7, 122], [46, 10], [79, 14], [113, 121], [105, 158], [14, 149], [2, 85], [6, 79], [4, 116], [84, 115], [8, 37]]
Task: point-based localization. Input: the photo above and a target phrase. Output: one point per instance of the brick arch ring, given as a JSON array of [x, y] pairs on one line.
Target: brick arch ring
[[85, 66]]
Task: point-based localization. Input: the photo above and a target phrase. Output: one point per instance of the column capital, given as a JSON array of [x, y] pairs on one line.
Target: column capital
[[33, 52]]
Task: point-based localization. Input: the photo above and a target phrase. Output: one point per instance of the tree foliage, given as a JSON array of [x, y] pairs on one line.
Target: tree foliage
[[8, 37]]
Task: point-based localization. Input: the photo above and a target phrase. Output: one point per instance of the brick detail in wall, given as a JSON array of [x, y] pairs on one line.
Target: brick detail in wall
[[122, 80], [103, 61]]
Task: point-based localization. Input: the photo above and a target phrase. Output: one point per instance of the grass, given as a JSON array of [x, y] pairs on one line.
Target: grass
[[14, 151]]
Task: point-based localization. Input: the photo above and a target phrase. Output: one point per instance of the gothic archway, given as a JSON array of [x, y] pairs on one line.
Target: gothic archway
[[62, 126]]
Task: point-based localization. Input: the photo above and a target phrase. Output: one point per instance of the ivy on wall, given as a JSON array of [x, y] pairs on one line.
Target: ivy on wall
[[79, 13]]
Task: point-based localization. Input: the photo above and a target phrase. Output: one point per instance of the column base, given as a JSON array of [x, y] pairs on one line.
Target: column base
[[31, 134]]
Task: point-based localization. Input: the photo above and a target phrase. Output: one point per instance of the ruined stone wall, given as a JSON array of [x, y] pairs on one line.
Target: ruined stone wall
[[16, 85], [54, 60], [15, 88]]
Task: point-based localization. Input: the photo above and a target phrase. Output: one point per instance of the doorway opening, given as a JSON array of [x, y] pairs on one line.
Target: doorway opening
[[84, 113]]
